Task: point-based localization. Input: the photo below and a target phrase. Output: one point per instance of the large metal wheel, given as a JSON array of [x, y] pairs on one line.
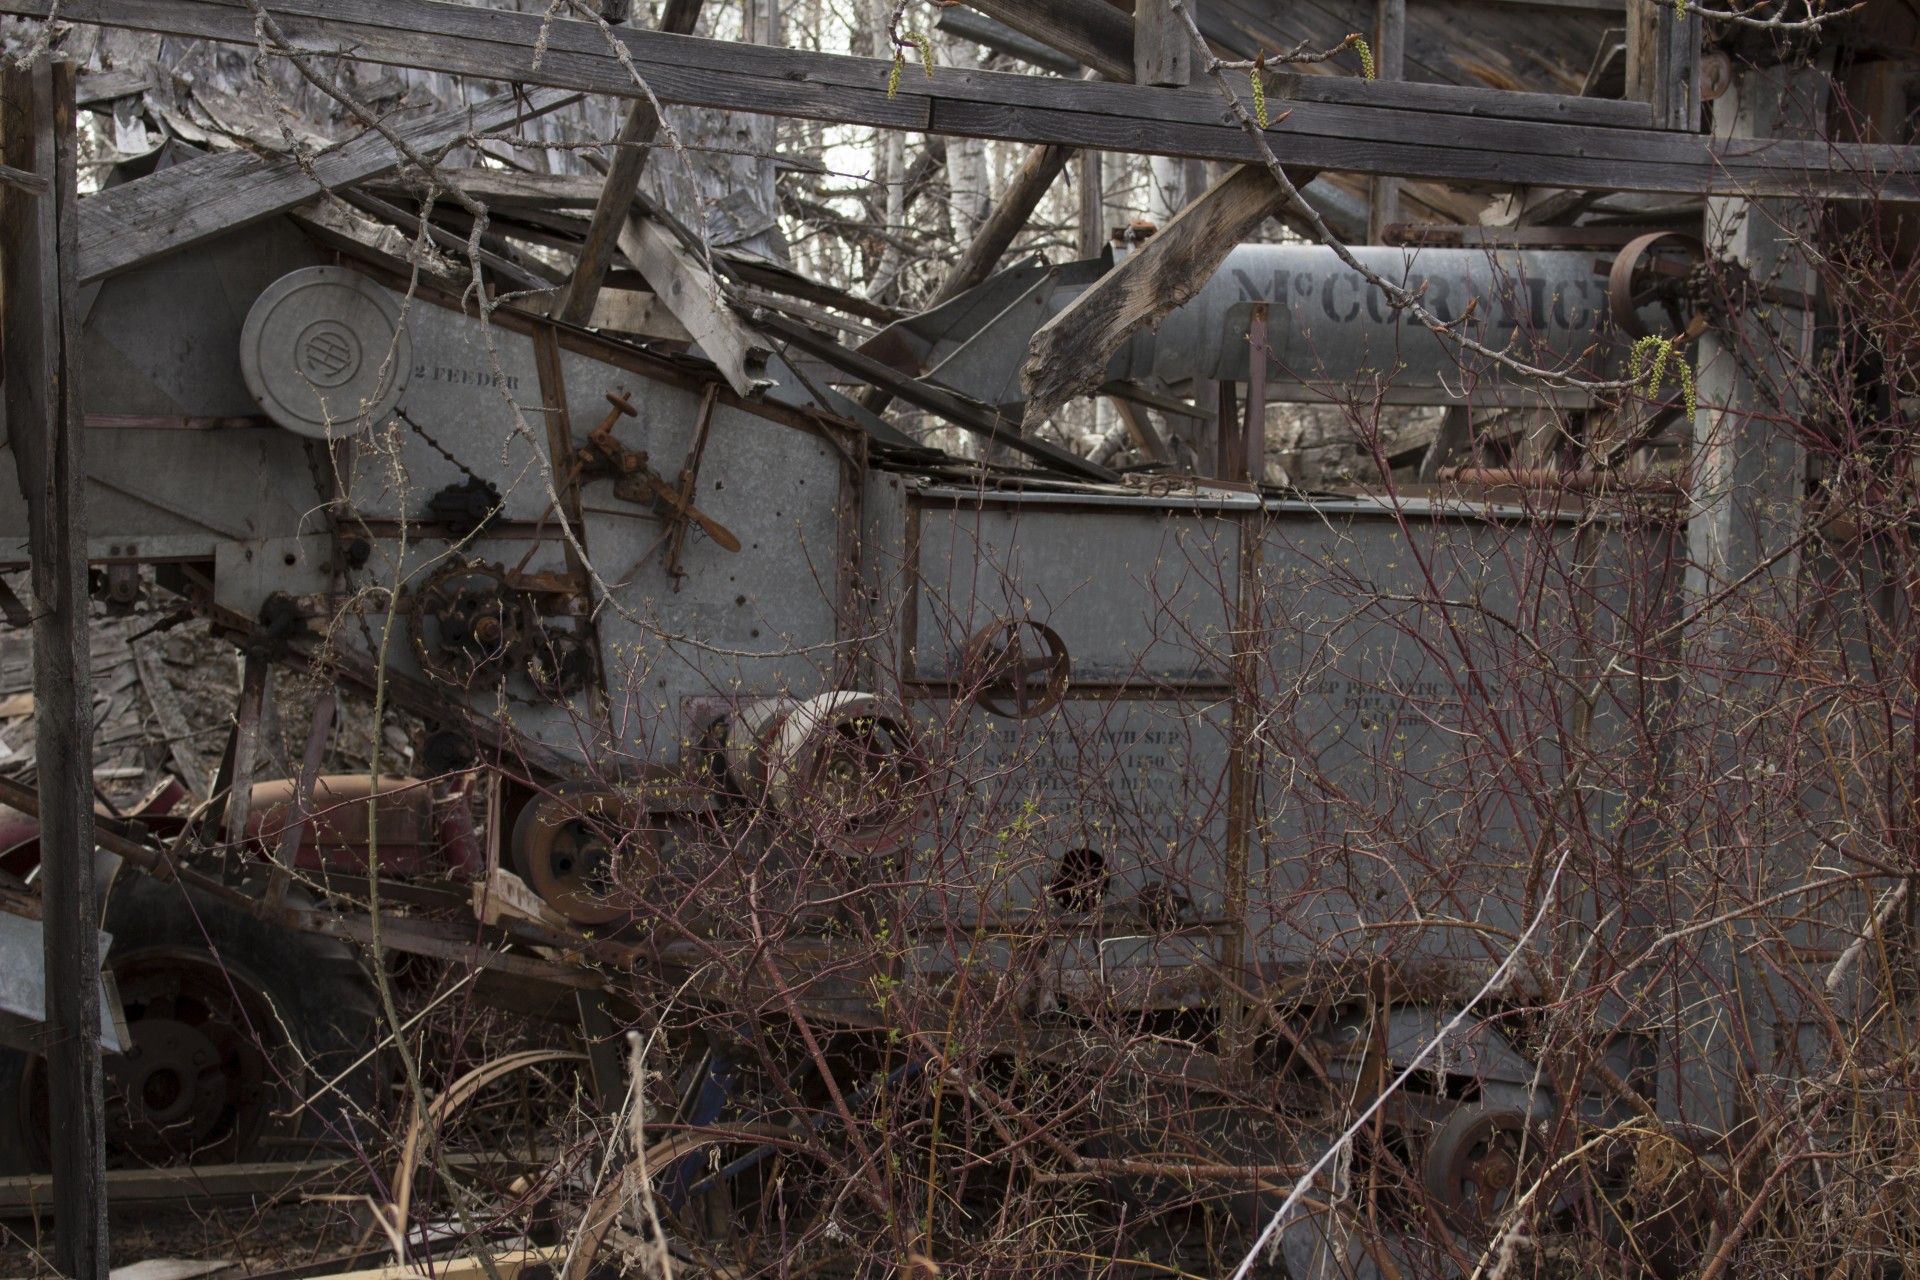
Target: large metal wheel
[[233, 1025], [1479, 1162], [515, 1135]]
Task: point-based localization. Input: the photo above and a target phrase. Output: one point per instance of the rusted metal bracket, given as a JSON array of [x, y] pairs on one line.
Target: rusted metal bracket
[[634, 480], [689, 475]]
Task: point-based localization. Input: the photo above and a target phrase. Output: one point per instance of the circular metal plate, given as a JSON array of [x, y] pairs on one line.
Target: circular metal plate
[[315, 351]]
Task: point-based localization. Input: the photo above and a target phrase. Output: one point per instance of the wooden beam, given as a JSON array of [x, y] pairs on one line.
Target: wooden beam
[[969, 24], [1663, 64], [124, 226], [1031, 181], [968, 415], [1390, 64], [1162, 46], [1091, 32], [680, 280], [504, 188], [1070, 352], [1440, 132], [1092, 180], [622, 183], [40, 351]]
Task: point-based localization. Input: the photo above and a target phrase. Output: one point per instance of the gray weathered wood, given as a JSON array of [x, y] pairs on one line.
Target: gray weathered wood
[[169, 717], [40, 333], [1070, 352], [993, 34], [1162, 45], [622, 183], [504, 188], [966, 414], [21, 180], [1091, 32], [1441, 132], [1663, 64], [98, 87], [124, 226], [1092, 182], [680, 280], [1390, 65]]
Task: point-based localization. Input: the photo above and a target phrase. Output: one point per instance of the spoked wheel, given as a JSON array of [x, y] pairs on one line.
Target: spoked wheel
[[1018, 667], [1653, 270], [766, 1207], [504, 1132]]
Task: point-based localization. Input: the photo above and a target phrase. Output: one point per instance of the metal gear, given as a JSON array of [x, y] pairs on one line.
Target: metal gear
[[467, 624]]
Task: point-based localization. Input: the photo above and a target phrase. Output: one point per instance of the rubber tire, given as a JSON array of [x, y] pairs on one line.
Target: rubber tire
[[317, 985]]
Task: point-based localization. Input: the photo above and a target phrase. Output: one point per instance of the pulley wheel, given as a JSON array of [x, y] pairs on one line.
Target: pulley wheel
[[1478, 1165], [1646, 274], [567, 847]]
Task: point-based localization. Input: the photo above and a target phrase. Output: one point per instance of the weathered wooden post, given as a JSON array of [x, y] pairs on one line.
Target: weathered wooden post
[[1742, 570], [39, 356], [1389, 63]]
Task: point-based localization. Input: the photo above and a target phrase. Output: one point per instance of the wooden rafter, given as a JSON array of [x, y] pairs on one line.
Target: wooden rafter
[[1070, 352], [1413, 130], [136, 222], [622, 183]]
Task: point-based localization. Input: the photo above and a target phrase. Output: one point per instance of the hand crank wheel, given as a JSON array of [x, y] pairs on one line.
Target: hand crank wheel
[[1017, 668]]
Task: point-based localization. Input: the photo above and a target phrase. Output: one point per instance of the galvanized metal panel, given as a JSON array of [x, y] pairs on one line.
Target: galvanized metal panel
[[164, 338], [160, 494], [1140, 593], [23, 977], [740, 626], [475, 389], [1140, 781], [1408, 738]]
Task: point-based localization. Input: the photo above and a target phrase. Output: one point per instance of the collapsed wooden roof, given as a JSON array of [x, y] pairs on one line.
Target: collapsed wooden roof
[[1555, 103]]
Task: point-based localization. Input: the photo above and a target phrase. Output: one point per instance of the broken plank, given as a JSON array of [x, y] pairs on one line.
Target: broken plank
[[22, 180], [1070, 353], [681, 281], [98, 87], [122, 227], [622, 183], [165, 702]]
